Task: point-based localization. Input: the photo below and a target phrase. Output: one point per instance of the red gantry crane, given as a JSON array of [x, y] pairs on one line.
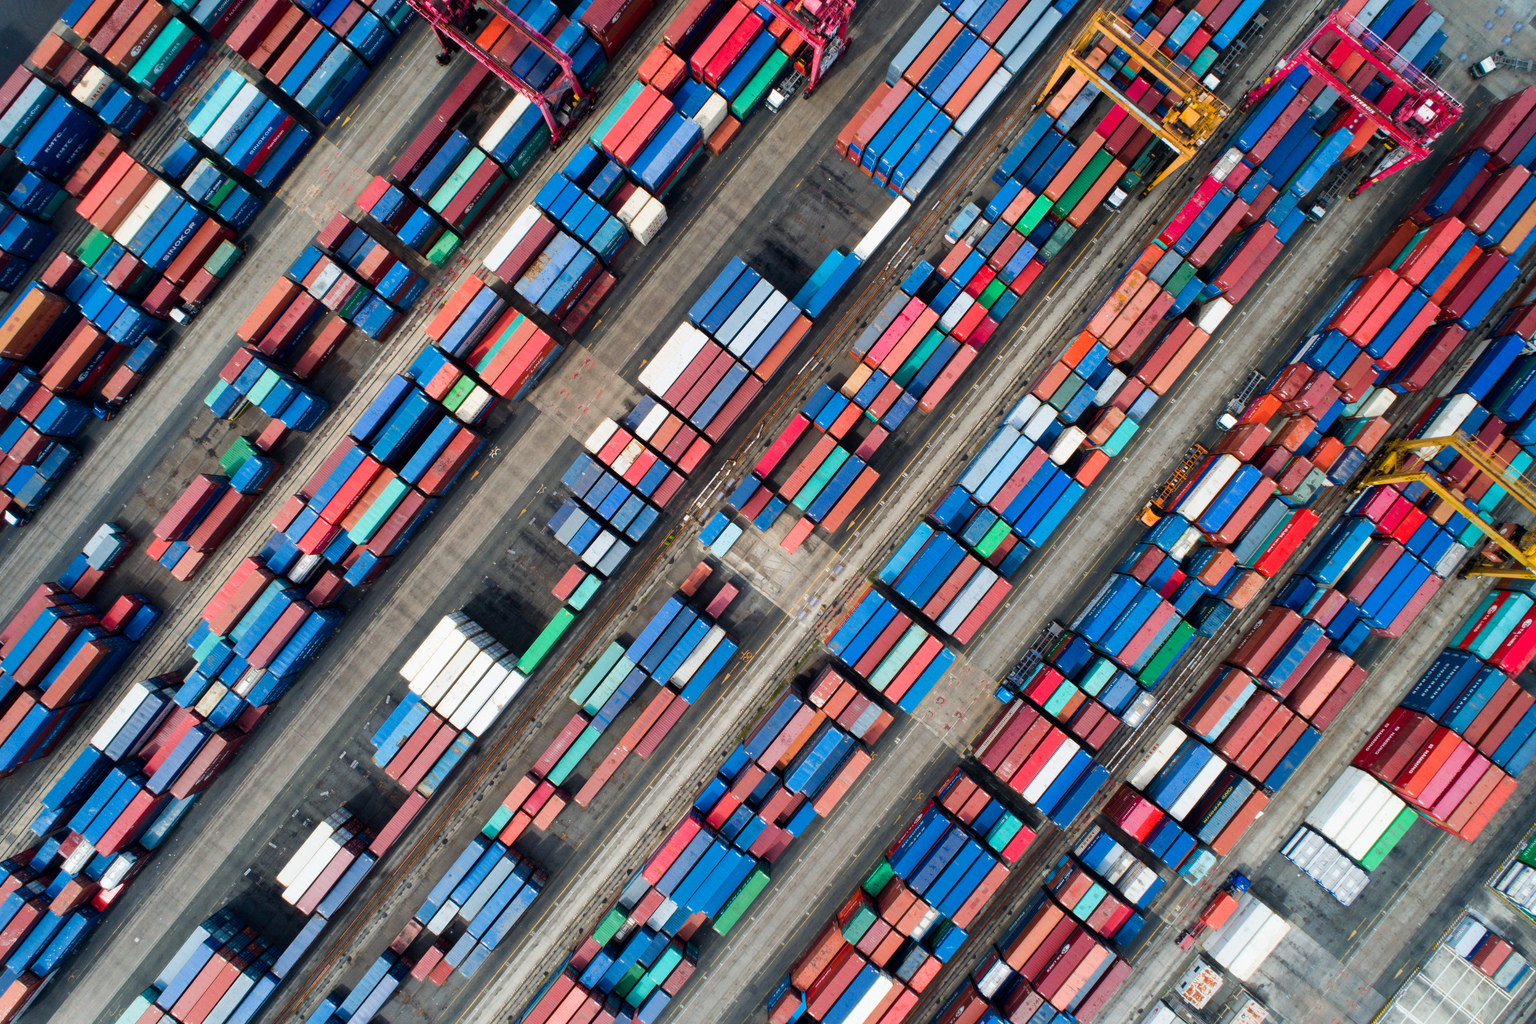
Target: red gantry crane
[[822, 25], [455, 23], [1412, 111]]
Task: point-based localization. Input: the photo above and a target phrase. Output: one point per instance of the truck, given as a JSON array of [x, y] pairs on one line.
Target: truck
[[1217, 912], [1228, 418]]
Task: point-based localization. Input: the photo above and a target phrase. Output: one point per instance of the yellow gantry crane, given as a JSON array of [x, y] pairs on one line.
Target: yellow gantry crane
[[1194, 112], [1407, 461]]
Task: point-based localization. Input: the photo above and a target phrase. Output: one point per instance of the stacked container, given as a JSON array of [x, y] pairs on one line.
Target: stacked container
[[889, 940], [485, 348], [1040, 762], [795, 766], [939, 85], [897, 657]]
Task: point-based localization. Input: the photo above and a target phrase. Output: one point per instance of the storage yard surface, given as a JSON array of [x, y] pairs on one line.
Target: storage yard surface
[[778, 198]]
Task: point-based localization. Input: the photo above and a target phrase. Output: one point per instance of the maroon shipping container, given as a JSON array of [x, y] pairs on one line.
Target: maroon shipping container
[[526, 251], [612, 22], [1266, 638], [220, 520], [588, 303], [424, 762], [326, 590], [397, 824], [282, 631], [136, 817], [49, 649], [47, 595], [442, 472], [413, 746], [75, 673], [186, 511], [209, 762], [237, 595]]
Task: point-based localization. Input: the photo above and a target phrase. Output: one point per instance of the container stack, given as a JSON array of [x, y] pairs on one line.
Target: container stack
[[889, 940], [1454, 746], [59, 650], [1082, 689], [156, 48], [319, 54], [1048, 768], [797, 763], [472, 907], [224, 970], [460, 680], [621, 485], [1247, 939], [939, 85], [1489, 952], [1130, 886], [1047, 963], [208, 511], [332, 859], [898, 658], [1516, 880], [682, 649], [236, 127], [486, 348], [1348, 834], [97, 83], [377, 486]]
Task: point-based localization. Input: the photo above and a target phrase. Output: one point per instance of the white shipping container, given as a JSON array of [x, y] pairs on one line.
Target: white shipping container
[[659, 918], [712, 114], [307, 849], [78, 858], [247, 680], [137, 694], [1160, 1014], [1221, 470], [1448, 420], [1376, 812], [487, 715], [1109, 387], [1019, 415], [673, 358], [701, 653], [1037, 787], [470, 679], [509, 241], [601, 435], [483, 690], [970, 595], [450, 646], [1158, 756], [745, 310], [210, 699], [317, 863], [1186, 543], [1240, 928], [754, 327], [1376, 404], [1213, 314], [92, 87], [598, 548], [434, 689], [1197, 788], [876, 235], [957, 309], [474, 405], [632, 206], [651, 422], [648, 221], [1253, 955], [235, 116], [976, 109], [866, 1006], [158, 193], [492, 136], [626, 457], [1067, 445], [425, 650], [1039, 423], [1346, 793]]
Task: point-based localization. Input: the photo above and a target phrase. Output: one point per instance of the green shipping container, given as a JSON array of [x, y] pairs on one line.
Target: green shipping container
[[449, 189], [606, 124], [583, 593], [92, 246], [443, 249], [223, 259], [1166, 655], [1120, 438], [609, 926], [1181, 276], [383, 507], [1389, 839], [753, 887], [897, 658], [1063, 695], [1082, 183], [598, 672], [542, 644], [567, 764], [992, 293], [235, 456], [914, 362], [160, 54], [264, 385], [992, 538], [757, 87], [823, 476], [498, 822], [1033, 216], [1058, 240], [859, 923], [1003, 832], [458, 393], [878, 878]]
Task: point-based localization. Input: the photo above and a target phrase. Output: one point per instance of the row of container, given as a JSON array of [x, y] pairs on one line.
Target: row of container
[[1043, 764], [897, 657], [500, 350], [318, 62], [1489, 952], [795, 765], [472, 907], [941, 83], [1047, 964], [889, 939]]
